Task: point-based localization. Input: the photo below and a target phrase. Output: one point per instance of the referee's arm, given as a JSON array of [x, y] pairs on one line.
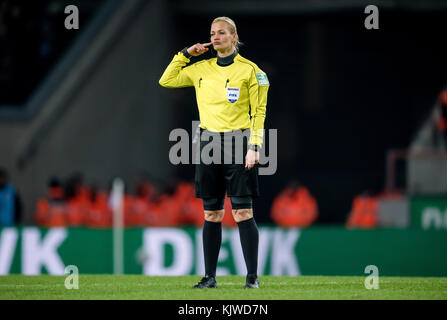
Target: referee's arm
[[176, 74], [258, 103]]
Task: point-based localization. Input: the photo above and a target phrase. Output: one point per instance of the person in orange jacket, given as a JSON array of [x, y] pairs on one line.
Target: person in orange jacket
[[281, 206], [164, 208], [99, 212], [294, 207], [78, 200], [306, 207], [50, 210], [191, 211], [364, 212]]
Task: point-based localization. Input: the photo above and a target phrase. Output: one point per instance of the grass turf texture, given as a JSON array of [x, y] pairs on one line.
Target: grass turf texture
[[230, 288]]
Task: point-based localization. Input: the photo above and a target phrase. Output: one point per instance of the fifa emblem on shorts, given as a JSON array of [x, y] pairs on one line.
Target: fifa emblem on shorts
[[233, 94]]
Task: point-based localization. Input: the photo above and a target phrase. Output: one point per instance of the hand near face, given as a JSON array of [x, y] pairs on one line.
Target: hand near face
[[198, 49]]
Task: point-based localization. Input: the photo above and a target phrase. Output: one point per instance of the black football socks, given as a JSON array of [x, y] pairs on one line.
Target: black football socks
[[212, 239], [249, 234]]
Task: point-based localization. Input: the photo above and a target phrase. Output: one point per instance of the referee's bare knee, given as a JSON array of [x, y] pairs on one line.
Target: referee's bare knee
[[214, 216], [242, 214]]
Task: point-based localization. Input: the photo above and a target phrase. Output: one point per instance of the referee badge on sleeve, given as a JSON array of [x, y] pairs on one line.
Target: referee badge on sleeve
[[262, 79], [233, 94]]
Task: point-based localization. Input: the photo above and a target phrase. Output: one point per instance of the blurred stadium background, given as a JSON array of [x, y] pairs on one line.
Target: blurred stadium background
[[361, 118]]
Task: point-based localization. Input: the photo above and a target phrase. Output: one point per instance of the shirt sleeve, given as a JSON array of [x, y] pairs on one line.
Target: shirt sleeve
[[176, 74], [258, 88]]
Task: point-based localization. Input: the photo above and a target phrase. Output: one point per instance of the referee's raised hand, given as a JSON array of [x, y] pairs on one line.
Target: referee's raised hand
[[198, 49]]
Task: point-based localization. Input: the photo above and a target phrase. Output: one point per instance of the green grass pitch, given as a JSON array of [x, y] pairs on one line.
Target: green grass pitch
[[134, 287]]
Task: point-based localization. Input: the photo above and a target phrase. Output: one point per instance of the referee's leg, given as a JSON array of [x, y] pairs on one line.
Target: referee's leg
[[212, 239], [249, 235]]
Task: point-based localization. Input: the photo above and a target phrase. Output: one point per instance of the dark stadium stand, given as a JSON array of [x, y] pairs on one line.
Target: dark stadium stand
[[341, 96], [32, 43]]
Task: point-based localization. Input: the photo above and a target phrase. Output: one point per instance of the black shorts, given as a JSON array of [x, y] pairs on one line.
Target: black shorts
[[213, 180]]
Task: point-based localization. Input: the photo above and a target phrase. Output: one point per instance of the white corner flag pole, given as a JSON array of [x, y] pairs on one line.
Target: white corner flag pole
[[117, 202]]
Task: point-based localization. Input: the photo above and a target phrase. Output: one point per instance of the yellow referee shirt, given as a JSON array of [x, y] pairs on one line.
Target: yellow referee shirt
[[226, 95]]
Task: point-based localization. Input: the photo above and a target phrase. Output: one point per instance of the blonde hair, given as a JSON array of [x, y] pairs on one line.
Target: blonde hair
[[232, 27]]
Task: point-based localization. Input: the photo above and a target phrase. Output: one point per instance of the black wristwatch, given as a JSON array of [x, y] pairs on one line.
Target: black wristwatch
[[253, 147], [185, 53]]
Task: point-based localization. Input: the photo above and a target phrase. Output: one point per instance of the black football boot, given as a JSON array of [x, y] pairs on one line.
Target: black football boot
[[251, 282], [206, 282]]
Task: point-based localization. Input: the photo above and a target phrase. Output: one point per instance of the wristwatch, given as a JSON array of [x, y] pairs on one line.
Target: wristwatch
[[253, 147], [185, 52]]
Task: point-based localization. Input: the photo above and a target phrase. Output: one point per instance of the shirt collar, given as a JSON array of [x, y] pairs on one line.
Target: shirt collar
[[226, 61]]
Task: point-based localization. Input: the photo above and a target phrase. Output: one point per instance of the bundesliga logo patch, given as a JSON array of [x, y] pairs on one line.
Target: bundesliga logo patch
[[233, 94], [262, 79]]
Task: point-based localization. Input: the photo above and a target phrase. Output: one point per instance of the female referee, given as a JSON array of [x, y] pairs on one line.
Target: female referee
[[231, 94]]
